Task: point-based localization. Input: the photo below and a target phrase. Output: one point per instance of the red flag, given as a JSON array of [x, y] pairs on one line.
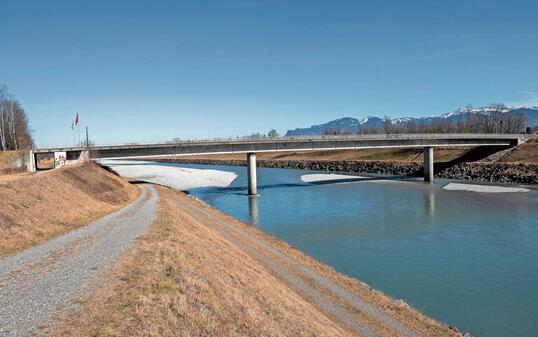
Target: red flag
[[76, 120]]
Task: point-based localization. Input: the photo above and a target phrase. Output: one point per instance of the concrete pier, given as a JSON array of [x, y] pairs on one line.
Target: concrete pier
[[251, 169], [428, 164]]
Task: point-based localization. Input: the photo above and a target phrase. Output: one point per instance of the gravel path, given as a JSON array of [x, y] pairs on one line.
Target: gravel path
[[326, 304], [36, 283]]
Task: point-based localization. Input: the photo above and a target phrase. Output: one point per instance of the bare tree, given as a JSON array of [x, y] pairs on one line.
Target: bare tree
[[387, 124], [3, 108], [468, 111], [15, 133]]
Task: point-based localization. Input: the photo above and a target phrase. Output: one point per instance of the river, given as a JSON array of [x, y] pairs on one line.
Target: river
[[465, 258]]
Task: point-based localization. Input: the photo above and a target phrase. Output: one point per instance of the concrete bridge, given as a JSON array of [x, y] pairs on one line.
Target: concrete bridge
[[250, 147]]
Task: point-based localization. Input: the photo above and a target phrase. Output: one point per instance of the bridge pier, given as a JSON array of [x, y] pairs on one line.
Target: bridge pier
[[251, 170], [428, 164]]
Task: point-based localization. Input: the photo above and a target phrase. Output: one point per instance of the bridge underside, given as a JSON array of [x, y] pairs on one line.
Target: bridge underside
[[428, 142]]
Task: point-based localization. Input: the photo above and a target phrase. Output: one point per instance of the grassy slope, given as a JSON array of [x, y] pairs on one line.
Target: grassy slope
[[444, 154], [525, 153], [6, 157], [36, 207], [184, 279]]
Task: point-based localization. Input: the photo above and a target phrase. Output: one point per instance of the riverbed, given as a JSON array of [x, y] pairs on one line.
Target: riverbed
[[466, 258]]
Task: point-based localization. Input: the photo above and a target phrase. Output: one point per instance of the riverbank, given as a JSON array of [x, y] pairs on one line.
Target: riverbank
[[517, 173], [490, 164], [37, 207], [200, 272]]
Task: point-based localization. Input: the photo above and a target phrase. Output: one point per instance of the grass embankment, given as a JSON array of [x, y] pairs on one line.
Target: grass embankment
[[184, 278], [7, 161], [36, 207], [407, 155], [526, 153]]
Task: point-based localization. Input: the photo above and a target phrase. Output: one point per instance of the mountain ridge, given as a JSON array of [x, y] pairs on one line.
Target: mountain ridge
[[355, 125]]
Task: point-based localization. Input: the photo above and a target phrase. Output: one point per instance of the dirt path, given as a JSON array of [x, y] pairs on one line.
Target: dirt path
[[40, 281], [332, 299], [198, 272]]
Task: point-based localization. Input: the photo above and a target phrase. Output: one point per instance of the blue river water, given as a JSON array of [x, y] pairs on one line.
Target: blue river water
[[465, 258]]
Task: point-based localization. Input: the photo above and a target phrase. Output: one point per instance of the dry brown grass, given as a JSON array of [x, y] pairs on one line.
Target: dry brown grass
[[441, 154], [184, 279], [525, 153], [6, 162], [397, 309], [44, 161], [36, 207]]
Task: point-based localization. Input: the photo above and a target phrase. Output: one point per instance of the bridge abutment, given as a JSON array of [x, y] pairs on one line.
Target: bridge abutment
[[428, 164], [31, 161], [251, 170]]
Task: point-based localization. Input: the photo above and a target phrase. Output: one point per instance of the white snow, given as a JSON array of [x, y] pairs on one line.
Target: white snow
[[172, 176], [401, 120], [389, 181], [449, 114], [483, 188], [309, 178]]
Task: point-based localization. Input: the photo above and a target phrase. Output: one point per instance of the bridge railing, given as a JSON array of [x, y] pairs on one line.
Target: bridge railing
[[247, 140]]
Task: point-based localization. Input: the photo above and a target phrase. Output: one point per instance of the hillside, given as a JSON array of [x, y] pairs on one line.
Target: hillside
[[11, 162], [415, 154], [525, 153], [36, 207]]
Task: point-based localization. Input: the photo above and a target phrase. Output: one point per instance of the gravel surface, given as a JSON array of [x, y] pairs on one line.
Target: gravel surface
[[42, 280]]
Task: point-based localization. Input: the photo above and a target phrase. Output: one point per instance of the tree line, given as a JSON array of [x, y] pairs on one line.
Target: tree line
[[492, 119], [15, 133]]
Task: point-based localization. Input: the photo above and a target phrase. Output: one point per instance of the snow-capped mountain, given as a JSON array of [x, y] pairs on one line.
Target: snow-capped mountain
[[530, 112], [353, 125]]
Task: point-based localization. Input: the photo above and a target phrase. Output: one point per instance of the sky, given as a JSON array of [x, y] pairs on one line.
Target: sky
[[143, 71]]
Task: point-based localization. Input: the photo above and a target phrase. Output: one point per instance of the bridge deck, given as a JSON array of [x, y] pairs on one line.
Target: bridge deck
[[293, 144]]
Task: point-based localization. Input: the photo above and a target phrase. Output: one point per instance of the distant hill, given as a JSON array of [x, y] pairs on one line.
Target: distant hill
[[354, 125]]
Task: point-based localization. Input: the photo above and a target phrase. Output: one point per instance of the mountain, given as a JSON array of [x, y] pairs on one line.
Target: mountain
[[346, 123], [354, 125], [530, 112]]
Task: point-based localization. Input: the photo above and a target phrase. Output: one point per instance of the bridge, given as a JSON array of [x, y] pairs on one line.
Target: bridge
[[287, 144]]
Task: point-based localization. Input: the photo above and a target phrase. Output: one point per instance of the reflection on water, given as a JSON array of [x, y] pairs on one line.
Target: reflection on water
[[429, 204], [468, 259], [253, 209]]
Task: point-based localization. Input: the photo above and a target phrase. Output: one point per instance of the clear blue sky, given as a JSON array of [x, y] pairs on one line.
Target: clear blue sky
[[155, 70]]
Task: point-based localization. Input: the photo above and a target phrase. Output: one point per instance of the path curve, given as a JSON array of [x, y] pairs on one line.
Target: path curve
[[37, 282]]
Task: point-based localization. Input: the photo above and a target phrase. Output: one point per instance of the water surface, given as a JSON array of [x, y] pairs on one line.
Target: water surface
[[468, 259]]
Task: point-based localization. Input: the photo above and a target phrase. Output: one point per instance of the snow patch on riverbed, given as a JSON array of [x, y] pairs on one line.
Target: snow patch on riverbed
[[483, 188], [180, 178], [320, 177], [310, 178]]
